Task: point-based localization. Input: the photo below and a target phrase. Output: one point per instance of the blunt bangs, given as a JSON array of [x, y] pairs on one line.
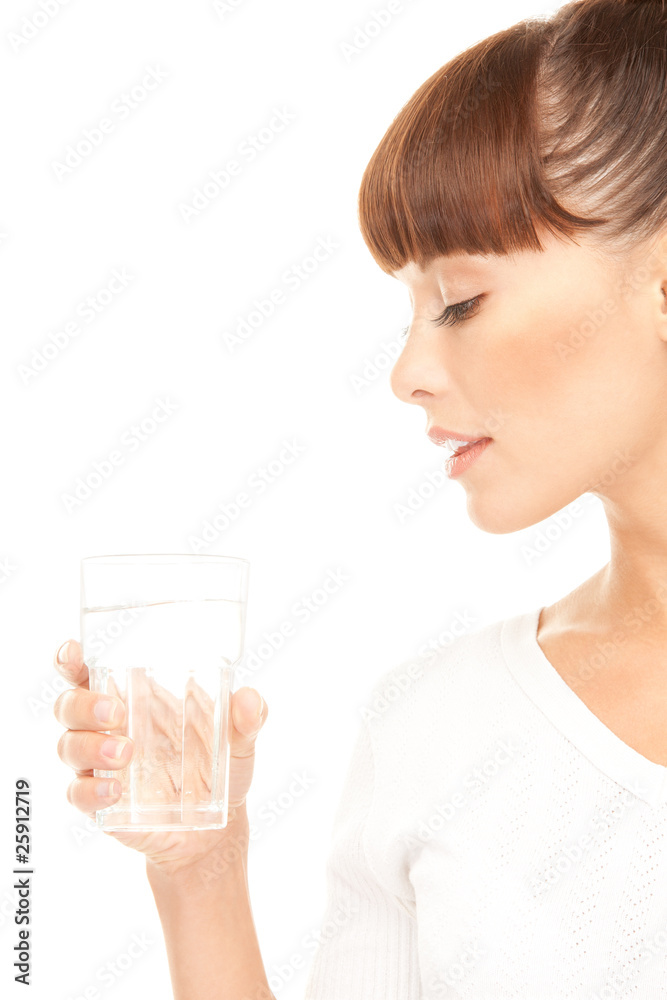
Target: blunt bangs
[[459, 170]]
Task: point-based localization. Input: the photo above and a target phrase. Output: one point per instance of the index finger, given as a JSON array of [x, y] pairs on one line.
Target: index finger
[[68, 661]]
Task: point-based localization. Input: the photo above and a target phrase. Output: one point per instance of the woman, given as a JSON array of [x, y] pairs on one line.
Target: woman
[[502, 827]]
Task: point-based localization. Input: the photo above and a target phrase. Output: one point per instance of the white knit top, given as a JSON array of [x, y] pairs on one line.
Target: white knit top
[[494, 839]]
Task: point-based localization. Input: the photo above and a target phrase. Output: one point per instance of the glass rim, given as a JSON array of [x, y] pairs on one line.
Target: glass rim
[[158, 557]]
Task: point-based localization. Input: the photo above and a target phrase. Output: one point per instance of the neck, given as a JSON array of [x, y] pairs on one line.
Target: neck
[[630, 592]]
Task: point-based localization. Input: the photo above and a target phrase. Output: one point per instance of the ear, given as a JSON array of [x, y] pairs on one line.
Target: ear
[[661, 315], [660, 258]]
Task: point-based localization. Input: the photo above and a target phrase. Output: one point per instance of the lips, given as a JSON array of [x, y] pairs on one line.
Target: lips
[[453, 439], [466, 447]]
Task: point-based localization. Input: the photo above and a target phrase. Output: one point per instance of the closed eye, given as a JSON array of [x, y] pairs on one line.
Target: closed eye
[[458, 312], [454, 314]]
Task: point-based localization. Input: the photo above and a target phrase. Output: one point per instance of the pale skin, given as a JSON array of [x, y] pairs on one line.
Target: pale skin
[[564, 364], [574, 394], [199, 879], [81, 746]]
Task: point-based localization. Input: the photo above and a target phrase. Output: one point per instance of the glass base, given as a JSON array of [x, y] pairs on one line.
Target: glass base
[[159, 818]]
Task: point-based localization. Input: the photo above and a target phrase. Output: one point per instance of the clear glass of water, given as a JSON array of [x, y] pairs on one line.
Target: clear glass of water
[[163, 633]]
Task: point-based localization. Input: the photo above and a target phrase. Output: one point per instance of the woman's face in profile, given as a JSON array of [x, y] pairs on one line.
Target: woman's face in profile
[[562, 362]]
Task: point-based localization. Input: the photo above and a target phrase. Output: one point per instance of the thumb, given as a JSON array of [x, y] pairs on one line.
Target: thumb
[[249, 713]]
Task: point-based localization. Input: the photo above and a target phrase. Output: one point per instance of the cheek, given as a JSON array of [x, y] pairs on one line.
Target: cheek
[[571, 393], [551, 371], [514, 371]]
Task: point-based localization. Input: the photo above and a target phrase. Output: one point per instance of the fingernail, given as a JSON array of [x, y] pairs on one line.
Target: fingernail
[[261, 706], [104, 711], [107, 788], [61, 655], [114, 748]]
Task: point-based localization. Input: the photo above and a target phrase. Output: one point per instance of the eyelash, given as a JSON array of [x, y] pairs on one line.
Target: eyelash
[[458, 313], [454, 314]]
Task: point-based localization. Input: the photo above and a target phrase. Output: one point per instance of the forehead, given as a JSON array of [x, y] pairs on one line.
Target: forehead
[[458, 268], [454, 266]]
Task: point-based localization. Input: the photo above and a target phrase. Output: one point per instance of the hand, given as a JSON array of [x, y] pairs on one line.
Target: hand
[[81, 748]]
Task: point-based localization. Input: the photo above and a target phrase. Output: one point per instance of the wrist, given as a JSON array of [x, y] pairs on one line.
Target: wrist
[[216, 866]]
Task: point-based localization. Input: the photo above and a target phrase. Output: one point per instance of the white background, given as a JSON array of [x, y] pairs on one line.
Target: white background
[[292, 380]]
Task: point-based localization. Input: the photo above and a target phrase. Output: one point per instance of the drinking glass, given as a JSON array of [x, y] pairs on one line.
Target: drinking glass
[[163, 633]]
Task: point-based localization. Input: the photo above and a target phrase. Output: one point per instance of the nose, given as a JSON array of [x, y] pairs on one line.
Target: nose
[[417, 375]]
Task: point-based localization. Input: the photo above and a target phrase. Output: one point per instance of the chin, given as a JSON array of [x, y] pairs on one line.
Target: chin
[[500, 512], [496, 514]]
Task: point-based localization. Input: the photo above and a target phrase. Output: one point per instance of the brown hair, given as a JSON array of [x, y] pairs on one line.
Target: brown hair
[[557, 123]]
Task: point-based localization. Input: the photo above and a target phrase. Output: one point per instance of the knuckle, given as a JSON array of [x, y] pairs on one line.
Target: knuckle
[[89, 743], [62, 744], [60, 703], [68, 673]]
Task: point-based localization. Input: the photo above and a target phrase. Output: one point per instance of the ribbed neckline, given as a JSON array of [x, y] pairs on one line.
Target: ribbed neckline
[[540, 680]]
